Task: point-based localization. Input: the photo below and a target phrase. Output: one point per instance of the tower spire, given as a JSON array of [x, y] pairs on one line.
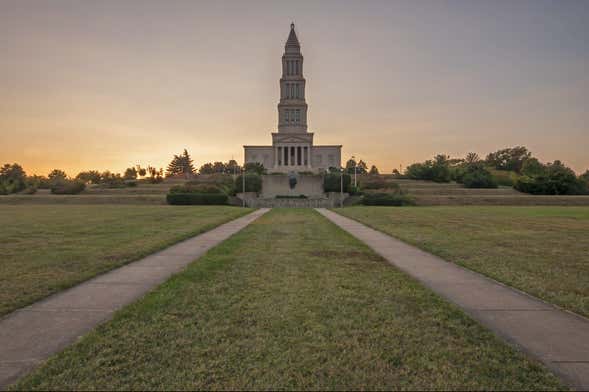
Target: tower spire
[[292, 109]]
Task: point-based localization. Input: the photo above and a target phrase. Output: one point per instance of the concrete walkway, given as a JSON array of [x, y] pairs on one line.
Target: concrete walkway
[[558, 338], [30, 335]]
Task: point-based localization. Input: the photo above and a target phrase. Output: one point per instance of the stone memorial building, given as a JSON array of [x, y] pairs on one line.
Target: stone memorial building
[[292, 148]]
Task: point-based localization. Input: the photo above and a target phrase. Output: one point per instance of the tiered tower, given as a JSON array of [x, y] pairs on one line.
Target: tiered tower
[[292, 148], [292, 109]]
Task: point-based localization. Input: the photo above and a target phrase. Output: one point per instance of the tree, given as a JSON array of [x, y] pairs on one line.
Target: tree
[[92, 176], [155, 175], [477, 176], [509, 158], [373, 170], [532, 167], [350, 164], [360, 167], [12, 178], [556, 179], [472, 157], [218, 167], [232, 167], [254, 167], [437, 170], [181, 165], [130, 174], [207, 168], [56, 176], [141, 171]]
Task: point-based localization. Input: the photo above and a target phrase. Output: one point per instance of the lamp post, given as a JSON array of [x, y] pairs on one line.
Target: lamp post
[[341, 187], [355, 166], [243, 184]]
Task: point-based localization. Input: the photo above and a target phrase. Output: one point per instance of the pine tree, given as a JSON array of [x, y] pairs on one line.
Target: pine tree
[[181, 164]]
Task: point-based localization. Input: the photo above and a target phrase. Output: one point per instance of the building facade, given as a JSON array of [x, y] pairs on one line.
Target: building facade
[[292, 148]]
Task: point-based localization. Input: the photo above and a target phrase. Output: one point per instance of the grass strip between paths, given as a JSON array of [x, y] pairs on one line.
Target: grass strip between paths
[[290, 302]]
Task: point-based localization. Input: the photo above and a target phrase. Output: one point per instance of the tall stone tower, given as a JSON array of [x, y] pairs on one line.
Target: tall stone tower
[[292, 109], [292, 148]]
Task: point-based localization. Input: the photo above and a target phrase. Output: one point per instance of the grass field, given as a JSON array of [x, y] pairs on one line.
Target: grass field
[[541, 250], [290, 302], [46, 248]]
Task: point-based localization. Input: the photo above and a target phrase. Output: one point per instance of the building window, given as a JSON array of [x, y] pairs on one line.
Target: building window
[[297, 91], [286, 112], [296, 67], [298, 115]]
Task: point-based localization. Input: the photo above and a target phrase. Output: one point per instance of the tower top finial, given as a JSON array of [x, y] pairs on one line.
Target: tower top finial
[[292, 25]]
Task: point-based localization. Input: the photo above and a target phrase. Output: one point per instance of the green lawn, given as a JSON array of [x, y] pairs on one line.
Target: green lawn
[[541, 250], [290, 302], [46, 248]]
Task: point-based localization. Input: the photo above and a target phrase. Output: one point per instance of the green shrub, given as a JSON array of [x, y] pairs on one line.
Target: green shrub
[[478, 179], [437, 170], [332, 182], [196, 198], [477, 176], [12, 178], [131, 183], [195, 188], [556, 179], [386, 199], [224, 182], [67, 187], [504, 177], [253, 183]]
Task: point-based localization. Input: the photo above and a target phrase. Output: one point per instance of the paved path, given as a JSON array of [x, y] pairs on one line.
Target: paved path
[[30, 335], [558, 338]]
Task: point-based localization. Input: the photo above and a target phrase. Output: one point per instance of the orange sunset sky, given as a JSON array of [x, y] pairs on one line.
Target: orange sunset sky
[[110, 84]]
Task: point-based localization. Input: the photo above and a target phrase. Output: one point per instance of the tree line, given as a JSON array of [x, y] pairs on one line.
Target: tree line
[[514, 166]]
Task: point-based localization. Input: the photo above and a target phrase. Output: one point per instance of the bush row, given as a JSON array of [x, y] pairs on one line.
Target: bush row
[[196, 198]]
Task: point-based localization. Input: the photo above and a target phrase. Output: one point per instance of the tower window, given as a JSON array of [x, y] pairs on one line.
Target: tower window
[[296, 67], [286, 117], [298, 115], [297, 91]]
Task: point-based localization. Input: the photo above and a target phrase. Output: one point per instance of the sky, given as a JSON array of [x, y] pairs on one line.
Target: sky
[[114, 83]]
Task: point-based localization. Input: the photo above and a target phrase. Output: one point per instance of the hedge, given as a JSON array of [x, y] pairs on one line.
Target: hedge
[[386, 199], [196, 198], [332, 182]]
